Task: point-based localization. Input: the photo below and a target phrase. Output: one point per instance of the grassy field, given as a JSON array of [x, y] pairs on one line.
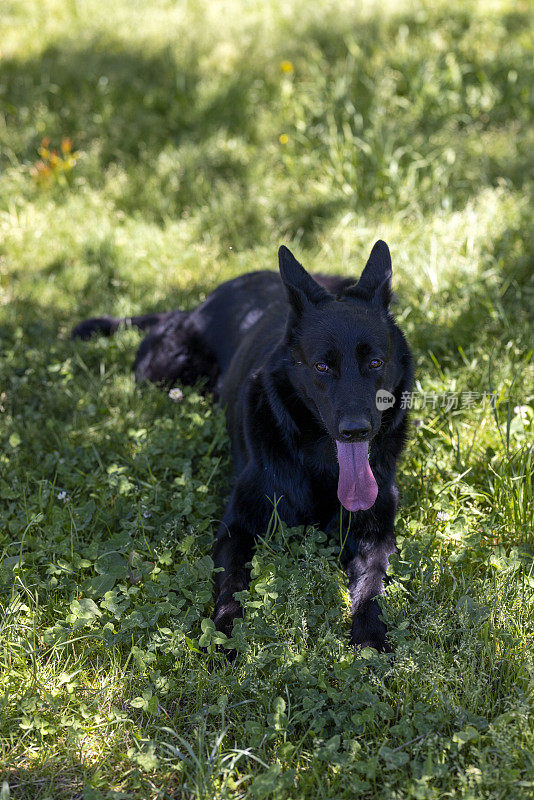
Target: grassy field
[[150, 150]]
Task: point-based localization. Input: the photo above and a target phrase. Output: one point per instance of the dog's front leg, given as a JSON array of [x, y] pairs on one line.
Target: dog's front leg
[[246, 517], [371, 542], [366, 572], [232, 550]]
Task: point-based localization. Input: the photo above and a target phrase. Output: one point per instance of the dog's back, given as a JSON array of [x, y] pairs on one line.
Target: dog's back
[[186, 346]]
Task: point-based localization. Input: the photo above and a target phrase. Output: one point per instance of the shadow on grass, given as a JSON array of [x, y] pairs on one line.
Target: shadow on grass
[[57, 780], [150, 116], [187, 139], [126, 99]]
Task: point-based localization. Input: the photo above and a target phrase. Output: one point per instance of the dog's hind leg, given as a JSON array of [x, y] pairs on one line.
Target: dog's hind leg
[[174, 351]]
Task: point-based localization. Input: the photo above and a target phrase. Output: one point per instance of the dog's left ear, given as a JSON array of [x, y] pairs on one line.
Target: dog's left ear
[[300, 286], [375, 280]]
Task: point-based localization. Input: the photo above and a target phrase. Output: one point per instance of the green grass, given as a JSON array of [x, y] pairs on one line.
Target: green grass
[[406, 121]]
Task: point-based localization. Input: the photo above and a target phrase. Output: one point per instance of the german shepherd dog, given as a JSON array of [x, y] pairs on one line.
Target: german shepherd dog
[[300, 363]]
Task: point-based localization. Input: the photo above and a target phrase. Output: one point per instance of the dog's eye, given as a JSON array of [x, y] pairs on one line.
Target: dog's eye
[[375, 363], [321, 366]]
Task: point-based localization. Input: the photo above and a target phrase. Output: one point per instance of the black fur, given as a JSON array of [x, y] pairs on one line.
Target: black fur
[[257, 339]]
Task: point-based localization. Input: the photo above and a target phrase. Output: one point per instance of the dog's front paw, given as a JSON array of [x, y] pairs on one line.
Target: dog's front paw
[[225, 614], [369, 631]]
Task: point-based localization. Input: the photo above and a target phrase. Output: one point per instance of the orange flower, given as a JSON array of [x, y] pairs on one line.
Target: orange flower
[[66, 145], [40, 171]]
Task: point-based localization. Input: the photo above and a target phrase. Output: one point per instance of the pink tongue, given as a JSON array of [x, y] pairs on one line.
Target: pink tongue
[[356, 489]]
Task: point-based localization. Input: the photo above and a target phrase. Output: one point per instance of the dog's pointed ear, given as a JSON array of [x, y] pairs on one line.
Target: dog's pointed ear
[[300, 286], [375, 280]]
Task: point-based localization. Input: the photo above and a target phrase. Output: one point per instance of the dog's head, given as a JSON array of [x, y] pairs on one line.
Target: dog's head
[[349, 361]]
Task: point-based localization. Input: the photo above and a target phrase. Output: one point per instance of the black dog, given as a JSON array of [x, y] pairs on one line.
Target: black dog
[[298, 364]]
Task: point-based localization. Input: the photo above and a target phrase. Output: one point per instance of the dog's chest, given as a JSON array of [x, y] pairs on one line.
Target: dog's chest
[[320, 470]]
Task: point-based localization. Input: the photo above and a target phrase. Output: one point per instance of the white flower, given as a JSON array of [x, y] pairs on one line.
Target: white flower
[[176, 395], [63, 496], [443, 516], [522, 411]]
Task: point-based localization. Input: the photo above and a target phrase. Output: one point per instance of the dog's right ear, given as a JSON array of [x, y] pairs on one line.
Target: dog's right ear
[[376, 276], [375, 280], [300, 286]]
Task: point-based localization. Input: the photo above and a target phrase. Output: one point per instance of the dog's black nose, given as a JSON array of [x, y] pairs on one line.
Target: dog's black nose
[[354, 429]]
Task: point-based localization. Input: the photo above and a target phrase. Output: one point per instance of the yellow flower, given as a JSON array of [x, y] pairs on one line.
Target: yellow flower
[[66, 145], [286, 66], [284, 138]]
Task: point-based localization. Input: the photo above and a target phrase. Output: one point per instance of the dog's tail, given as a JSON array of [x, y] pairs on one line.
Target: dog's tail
[[106, 326]]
